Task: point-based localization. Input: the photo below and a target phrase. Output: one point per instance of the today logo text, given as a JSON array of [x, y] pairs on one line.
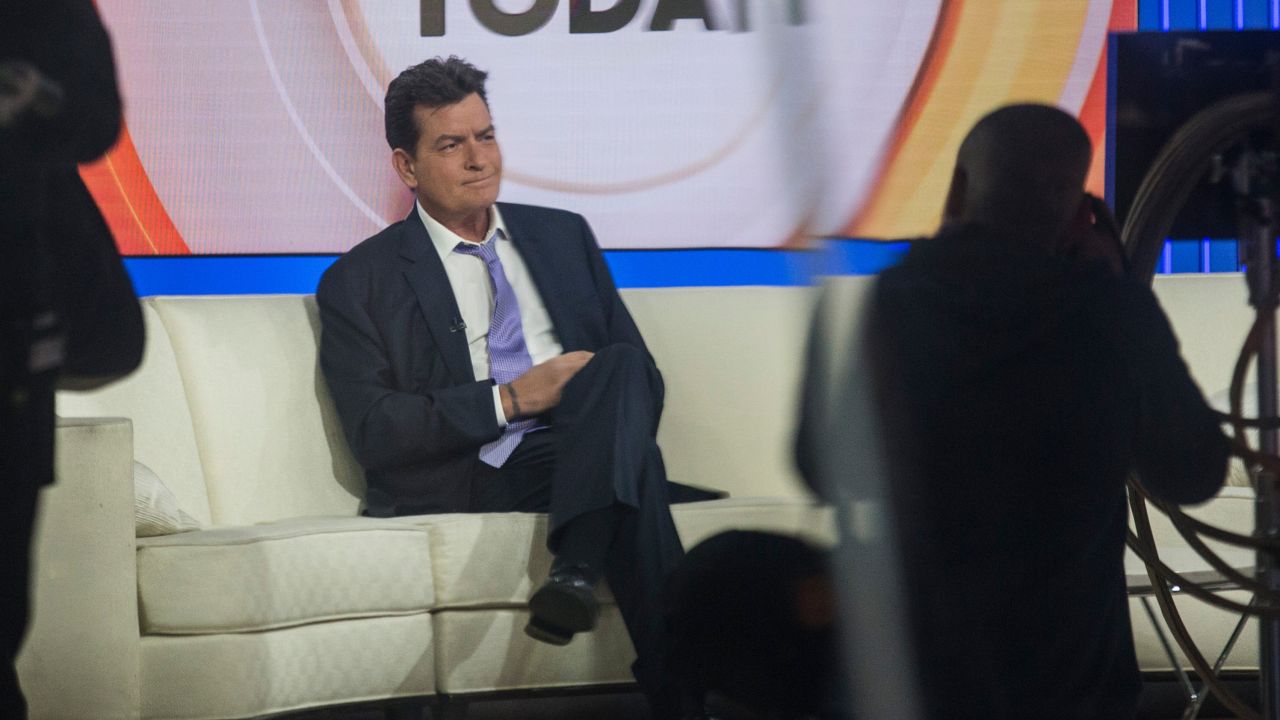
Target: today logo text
[[583, 19]]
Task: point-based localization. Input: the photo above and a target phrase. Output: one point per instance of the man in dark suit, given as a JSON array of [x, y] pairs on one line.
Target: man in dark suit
[[481, 360]]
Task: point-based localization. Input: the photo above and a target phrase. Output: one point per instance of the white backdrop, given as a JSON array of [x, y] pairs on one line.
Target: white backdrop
[[259, 122]]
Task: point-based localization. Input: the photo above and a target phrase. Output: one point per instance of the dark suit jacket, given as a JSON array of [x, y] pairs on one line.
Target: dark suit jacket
[[400, 373]]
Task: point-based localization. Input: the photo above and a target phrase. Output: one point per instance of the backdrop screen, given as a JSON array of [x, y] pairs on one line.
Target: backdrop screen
[[256, 126]]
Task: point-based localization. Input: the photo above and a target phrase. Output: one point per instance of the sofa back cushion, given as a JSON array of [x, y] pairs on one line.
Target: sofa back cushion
[[731, 358], [231, 410], [269, 438], [154, 397], [1211, 315]]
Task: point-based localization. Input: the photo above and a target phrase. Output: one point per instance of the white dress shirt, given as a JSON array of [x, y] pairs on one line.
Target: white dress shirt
[[473, 291]]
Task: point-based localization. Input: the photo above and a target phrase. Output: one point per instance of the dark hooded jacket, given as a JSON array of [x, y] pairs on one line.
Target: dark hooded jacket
[[1020, 389], [67, 307]]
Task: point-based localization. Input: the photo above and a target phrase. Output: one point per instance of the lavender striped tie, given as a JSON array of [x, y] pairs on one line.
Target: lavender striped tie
[[508, 355]]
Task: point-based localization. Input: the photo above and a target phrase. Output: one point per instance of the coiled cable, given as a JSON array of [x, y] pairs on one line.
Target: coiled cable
[[1175, 173]]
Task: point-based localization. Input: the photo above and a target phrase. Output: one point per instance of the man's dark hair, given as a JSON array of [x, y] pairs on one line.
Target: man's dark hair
[[434, 83]]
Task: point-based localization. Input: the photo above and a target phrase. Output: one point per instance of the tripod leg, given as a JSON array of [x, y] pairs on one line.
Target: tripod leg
[[1181, 672], [1193, 710]]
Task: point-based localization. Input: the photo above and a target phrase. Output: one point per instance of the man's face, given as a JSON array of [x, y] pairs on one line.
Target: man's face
[[456, 168]]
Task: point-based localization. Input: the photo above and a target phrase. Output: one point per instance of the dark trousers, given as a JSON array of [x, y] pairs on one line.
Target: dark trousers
[[599, 451], [26, 457], [17, 515]]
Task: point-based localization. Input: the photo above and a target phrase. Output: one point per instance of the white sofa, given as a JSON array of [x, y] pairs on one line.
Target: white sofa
[[1211, 316], [287, 600]]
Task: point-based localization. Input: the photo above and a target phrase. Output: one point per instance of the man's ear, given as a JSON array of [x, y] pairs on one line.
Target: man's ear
[[405, 168], [956, 195]]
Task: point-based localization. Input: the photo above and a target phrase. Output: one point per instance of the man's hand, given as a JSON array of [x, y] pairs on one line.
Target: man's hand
[[538, 390], [1094, 236]]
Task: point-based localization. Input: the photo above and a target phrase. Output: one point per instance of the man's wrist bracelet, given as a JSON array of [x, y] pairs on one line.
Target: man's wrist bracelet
[[515, 400]]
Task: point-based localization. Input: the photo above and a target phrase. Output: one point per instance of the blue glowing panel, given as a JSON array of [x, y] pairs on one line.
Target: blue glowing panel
[[1181, 15], [1255, 14], [1208, 14], [1182, 256], [1223, 255], [1218, 14], [1252, 14], [1149, 13]]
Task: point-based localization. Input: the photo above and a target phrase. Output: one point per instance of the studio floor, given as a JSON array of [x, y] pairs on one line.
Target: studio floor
[[614, 706], [1162, 700]]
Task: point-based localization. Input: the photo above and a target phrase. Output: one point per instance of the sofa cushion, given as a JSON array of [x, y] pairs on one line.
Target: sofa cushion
[[798, 517], [252, 675], [497, 559], [1211, 316], [155, 508], [154, 398], [485, 559], [269, 438], [287, 573], [730, 358], [486, 650]]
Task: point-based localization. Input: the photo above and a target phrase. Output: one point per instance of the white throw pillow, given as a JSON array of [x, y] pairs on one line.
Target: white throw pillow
[[155, 507]]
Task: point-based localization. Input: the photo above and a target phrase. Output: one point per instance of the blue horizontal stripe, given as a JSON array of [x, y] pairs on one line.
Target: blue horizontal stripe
[[861, 257], [227, 275], [271, 274], [268, 274], [711, 267]]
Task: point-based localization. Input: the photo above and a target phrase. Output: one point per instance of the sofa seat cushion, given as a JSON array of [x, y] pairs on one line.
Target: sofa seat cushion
[[496, 560], [479, 651], [281, 574], [799, 517], [254, 675]]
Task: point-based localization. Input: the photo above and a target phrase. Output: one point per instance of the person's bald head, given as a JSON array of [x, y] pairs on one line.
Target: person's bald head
[[1023, 168]]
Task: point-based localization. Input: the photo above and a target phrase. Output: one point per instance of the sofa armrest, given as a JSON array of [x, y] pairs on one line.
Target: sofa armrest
[[81, 658]]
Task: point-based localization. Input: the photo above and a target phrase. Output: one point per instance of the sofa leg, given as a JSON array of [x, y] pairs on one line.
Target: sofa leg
[[449, 709]]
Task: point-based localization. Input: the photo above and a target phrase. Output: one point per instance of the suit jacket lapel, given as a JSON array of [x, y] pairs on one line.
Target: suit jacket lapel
[[536, 253], [430, 284]]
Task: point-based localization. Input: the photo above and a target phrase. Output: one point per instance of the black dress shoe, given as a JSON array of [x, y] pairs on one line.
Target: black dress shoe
[[564, 605]]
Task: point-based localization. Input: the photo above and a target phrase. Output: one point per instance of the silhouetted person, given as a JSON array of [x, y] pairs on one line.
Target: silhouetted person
[[1020, 377], [68, 313], [751, 619]]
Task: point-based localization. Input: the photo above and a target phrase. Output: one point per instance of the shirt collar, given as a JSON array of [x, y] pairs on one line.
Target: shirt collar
[[445, 240]]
